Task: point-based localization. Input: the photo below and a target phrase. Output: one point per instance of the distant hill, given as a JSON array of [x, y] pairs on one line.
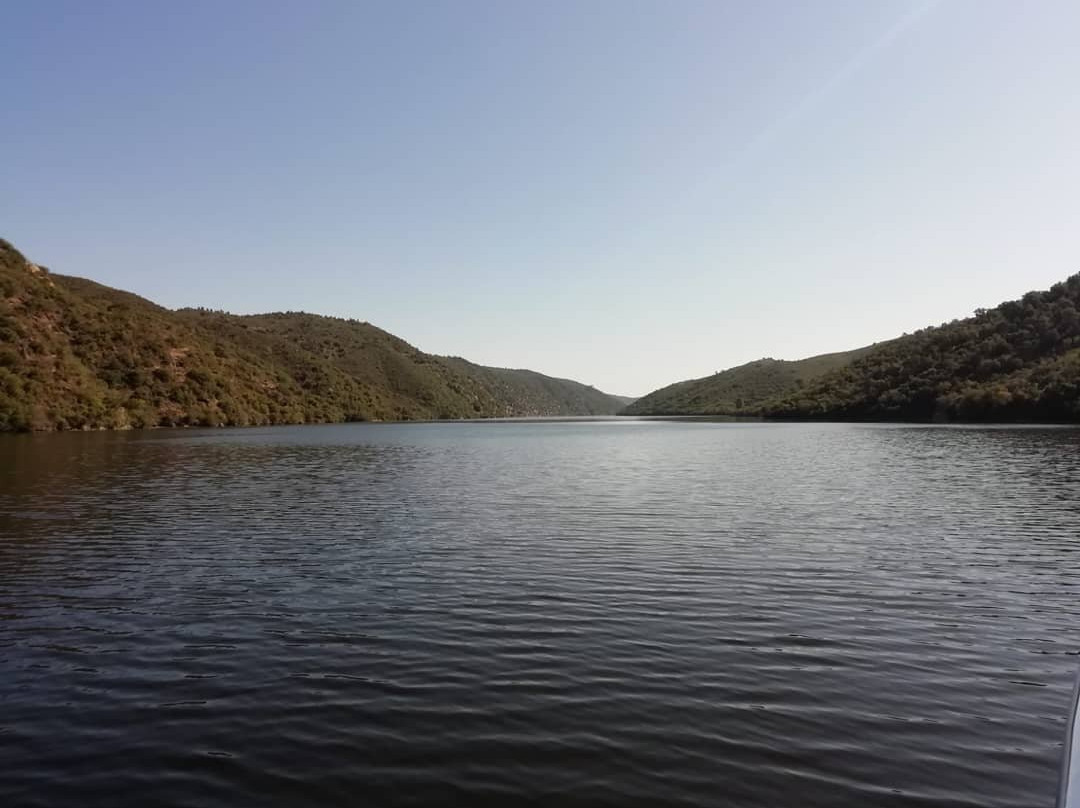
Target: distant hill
[[530, 393], [1019, 361], [741, 390], [78, 355], [403, 378]]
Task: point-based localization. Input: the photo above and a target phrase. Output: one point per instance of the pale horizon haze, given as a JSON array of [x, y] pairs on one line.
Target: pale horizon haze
[[623, 193]]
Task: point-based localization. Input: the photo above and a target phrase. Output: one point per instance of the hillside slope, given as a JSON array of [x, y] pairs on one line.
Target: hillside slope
[[740, 390], [78, 355], [1019, 361], [527, 392], [404, 378]]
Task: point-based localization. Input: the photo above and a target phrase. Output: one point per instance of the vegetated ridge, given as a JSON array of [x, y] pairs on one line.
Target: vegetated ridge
[[1019, 361], [740, 390], [78, 355]]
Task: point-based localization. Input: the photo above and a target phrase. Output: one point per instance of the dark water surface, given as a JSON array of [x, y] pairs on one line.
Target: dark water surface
[[619, 613]]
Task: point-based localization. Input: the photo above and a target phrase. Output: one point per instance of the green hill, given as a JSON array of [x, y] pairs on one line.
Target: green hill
[[78, 355], [402, 378], [740, 390], [1019, 361], [527, 392]]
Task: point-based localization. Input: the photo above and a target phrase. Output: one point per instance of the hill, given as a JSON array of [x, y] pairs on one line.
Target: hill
[[530, 393], [78, 355], [740, 390], [1019, 361], [403, 378]]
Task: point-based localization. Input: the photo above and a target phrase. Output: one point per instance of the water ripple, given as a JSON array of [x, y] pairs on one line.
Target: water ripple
[[555, 613]]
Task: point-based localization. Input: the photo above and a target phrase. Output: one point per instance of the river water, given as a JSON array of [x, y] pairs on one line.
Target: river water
[[566, 613]]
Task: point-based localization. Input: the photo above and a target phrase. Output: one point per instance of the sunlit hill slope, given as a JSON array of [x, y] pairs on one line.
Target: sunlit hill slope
[[78, 355]]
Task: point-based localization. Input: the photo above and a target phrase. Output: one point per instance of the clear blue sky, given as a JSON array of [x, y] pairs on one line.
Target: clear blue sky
[[625, 193]]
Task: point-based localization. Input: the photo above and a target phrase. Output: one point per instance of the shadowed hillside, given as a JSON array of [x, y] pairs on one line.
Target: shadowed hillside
[[78, 355], [1019, 361], [531, 393], [738, 391]]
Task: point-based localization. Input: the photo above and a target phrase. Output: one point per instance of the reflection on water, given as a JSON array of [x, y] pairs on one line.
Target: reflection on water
[[595, 612]]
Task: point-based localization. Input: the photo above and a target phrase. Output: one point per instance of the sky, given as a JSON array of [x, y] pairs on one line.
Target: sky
[[623, 193]]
